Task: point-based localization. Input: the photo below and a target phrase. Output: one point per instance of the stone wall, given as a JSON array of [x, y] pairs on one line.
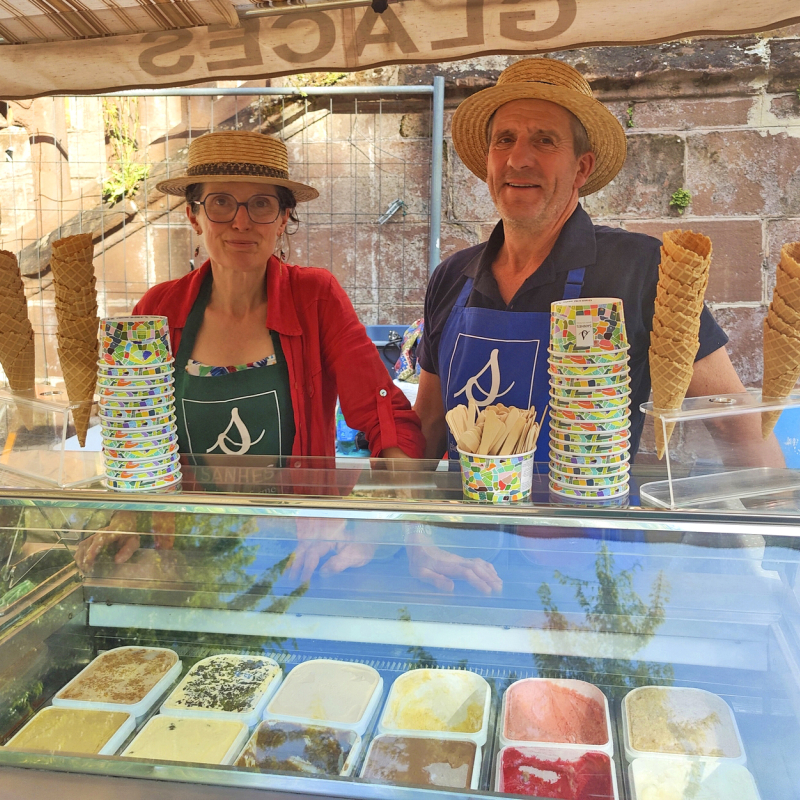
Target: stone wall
[[719, 117]]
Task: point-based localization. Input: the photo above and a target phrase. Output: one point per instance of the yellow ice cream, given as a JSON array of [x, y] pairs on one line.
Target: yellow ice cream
[[437, 700], [69, 730], [201, 741]]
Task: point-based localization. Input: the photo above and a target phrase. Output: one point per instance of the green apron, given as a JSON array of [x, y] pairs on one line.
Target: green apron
[[242, 413]]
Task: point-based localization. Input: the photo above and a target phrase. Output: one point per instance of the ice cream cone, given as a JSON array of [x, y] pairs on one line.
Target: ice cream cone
[[77, 246], [80, 377], [790, 258], [781, 371], [691, 291], [776, 323], [788, 288], [788, 314], [670, 380], [687, 247], [691, 307], [681, 324], [682, 351], [82, 329], [21, 372]]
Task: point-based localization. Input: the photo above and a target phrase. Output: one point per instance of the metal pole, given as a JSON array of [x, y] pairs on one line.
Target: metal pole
[[306, 91], [437, 145]]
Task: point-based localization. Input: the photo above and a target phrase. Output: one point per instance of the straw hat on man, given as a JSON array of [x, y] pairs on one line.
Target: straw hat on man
[[541, 141]]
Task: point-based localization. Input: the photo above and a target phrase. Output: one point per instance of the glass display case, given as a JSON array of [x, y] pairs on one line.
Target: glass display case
[[399, 648]]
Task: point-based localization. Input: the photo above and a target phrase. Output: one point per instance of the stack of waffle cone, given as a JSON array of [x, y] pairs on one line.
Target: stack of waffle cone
[[76, 311], [682, 281], [17, 352], [782, 335]]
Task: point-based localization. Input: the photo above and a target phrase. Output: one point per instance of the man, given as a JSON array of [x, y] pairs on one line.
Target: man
[[540, 141]]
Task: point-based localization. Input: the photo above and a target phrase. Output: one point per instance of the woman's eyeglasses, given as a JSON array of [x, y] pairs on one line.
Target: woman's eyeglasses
[[261, 208]]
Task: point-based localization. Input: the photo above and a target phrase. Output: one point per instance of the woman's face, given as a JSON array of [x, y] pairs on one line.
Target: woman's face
[[240, 244]]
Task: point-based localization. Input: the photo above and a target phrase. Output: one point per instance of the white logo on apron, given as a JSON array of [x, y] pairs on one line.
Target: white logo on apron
[[244, 445], [474, 384]]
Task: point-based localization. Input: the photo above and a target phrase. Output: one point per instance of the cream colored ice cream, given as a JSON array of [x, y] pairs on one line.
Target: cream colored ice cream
[[436, 700], [194, 739], [124, 676], [334, 691], [69, 730], [683, 721], [684, 779], [229, 683]]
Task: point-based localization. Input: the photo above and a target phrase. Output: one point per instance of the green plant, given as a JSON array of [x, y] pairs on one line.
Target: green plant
[[120, 120], [797, 92], [680, 200], [629, 112]]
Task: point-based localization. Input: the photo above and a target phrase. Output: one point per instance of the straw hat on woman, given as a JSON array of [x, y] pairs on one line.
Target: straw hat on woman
[[263, 348]]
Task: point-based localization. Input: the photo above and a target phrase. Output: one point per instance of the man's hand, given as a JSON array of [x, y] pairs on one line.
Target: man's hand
[[124, 545], [438, 567], [316, 538]]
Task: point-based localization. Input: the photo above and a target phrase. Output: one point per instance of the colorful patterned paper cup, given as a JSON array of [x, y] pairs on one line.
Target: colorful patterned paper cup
[[136, 372], [135, 384], [132, 353], [589, 482], [591, 383], [144, 474], [572, 471], [592, 393], [130, 435], [587, 325], [619, 455], [151, 450], [135, 328], [146, 401], [141, 463], [497, 479], [150, 485], [132, 395], [132, 442], [589, 438], [606, 359], [590, 404], [143, 425], [564, 416], [588, 498], [148, 412]]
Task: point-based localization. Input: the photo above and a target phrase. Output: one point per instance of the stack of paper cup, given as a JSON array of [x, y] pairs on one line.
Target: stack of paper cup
[[589, 399], [137, 405]]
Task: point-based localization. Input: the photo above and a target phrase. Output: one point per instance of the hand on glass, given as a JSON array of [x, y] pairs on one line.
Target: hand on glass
[[124, 545], [439, 567], [316, 538]]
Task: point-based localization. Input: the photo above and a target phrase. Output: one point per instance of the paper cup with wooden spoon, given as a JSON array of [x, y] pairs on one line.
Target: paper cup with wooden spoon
[[496, 453]]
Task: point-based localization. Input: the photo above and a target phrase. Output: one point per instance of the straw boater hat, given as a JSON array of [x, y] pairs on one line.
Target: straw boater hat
[[239, 156], [541, 79]]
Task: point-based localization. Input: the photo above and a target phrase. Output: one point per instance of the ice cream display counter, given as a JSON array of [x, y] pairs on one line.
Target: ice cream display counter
[[243, 647]]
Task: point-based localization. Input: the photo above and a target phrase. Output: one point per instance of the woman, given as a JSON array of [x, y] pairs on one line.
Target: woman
[[263, 348]]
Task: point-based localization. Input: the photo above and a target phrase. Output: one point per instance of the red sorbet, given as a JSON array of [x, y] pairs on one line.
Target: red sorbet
[[588, 778]]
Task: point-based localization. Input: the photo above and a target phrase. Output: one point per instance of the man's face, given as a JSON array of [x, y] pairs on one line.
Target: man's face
[[533, 174]]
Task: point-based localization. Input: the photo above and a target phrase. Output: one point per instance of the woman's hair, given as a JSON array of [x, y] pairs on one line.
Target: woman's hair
[[194, 191]]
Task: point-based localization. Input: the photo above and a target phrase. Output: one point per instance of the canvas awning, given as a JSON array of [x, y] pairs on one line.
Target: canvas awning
[[89, 46]]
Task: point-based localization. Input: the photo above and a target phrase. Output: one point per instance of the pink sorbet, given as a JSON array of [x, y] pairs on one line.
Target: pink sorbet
[[586, 778], [543, 711]]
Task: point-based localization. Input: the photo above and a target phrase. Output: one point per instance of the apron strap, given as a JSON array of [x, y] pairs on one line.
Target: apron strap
[[572, 289], [192, 326], [464, 294]]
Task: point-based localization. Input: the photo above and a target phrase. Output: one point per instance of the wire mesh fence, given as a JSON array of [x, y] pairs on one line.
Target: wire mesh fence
[[91, 164]]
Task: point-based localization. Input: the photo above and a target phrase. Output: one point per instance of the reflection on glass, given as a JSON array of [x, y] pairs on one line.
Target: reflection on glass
[[610, 605]]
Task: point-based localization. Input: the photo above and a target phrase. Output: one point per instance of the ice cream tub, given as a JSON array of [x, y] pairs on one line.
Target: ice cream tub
[[129, 679], [149, 485], [613, 415], [278, 746], [431, 760], [138, 412], [85, 731], [556, 771], [135, 371], [126, 442], [592, 393], [226, 686], [620, 380], [443, 701], [132, 352], [605, 359], [545, 711], [574, 371], [587, 324], [591, 501], [338, 694], [146, 450], [196, 740], [688, 778], [620, 455], [114, 382], [659, 721], [154, 473], [589, 493], [144, 424], [137, 327], [562, 426], [129, 436], [133, 461], [583, 438], [496, 479], [130, 403]]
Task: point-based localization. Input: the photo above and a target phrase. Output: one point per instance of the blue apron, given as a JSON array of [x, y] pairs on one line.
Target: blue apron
[[492, 356]]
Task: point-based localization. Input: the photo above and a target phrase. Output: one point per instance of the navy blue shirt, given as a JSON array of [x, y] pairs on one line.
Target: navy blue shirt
[[618, 264]]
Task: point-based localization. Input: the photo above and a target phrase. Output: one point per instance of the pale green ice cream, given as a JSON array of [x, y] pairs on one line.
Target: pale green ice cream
[[684, 779]]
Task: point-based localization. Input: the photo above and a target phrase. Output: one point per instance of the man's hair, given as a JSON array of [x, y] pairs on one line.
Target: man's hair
[[580, 139]]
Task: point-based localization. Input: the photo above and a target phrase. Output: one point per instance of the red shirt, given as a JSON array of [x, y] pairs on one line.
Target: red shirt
[[327, 351]]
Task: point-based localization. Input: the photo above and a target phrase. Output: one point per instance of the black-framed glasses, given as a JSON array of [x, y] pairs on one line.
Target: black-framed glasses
[[221, 207]]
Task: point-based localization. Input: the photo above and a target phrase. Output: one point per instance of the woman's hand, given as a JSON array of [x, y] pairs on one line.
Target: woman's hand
[[125, 545], [314, 543], [438, 567]]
